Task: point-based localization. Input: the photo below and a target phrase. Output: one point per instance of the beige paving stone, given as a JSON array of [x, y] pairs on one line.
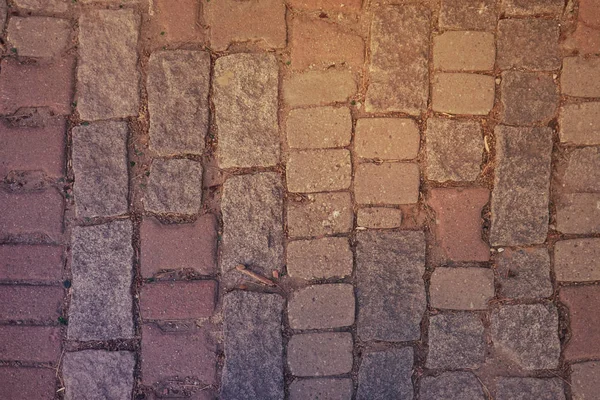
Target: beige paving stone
[[580, 123], [318, 87], [318, 170], [42, 37], [387, 138], [464, 51], [388, 183], [579, 76], [320, 214], [576, 260], [319, 258], [379, 217], [460, 93], [321, 127], [461, 288]]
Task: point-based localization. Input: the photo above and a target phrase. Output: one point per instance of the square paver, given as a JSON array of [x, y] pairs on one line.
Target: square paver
[[578, 213], [524, 273], [580, 123], [460, 93], [396, 383], [528, 98], [529, 44], [578, 77], [576, 260]]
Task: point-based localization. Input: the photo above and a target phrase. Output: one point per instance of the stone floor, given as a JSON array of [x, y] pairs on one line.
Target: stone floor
[[300, 199]]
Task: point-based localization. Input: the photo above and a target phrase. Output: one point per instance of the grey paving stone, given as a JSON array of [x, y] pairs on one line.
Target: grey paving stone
[[527, 335], [390, 287], [320, 354], [102, 267], [50, 6], [107, 74], [178, 85], [320, 214], [532, 7], [468, 15], [528, 98], [530, 388], [399, 56], [580, 123], [578, 213], [456, 341], [100, 166], [578, 77], [319, 258], [41, 37], [98, 374], [524, 273], [321, 389], [582, 173], [451, 385], [394, 383], [528, 43], [253, 346], [322, 306], [576, 260], [245, 98], [521, 186]]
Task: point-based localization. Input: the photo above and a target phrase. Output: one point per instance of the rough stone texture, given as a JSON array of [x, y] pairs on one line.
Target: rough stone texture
[[28, 383], [454, 150], [524, 273], [31, 263], [576, 260], [528, 43], [532, 7], [528, 98], [35, 214], [529, 388], [379, 217], [456, 341], [319, 258], [582, 172], [322, 307], [253, 346], [174, 186], [96, 374], [459, 210], [34, 303], [180, 246], [580, 123], [464, 51], [390, 287], [527, 335], [30, 343], [578, 213], [578, 76], [321, 389], [387, 138], [468, 14], [583, 303], [178, 300], [318, 170], [521, 186], [100, 167], [252, 222], [451, 385], [585, 380], [320, 354], [349, 6], [318, 87], [178, 84], [173, 22], [396, 383], [319, 128], [102, 266], [399, 55], [245, 100], [320, 214], [38, 36], [460, 93], [107, 74], [461, 288], [50, 6], [387, 183]]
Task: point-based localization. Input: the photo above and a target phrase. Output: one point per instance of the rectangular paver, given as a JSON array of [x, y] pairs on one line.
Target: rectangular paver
[[32, 303], [31, 263], [320, 214], [319, 87], [578, 213], [387, 183], [583, 303], [320, 354], [321, 127], [576, 260], [30, 343], [27, 383], [310, 171], [319, 258], [387, 138], [578, 76], [178, 300], [464, 51], [37, 214], [580, 123], [461, 288], [322, 306]]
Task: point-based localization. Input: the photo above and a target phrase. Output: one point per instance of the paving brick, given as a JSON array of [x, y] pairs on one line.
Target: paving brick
[[321, 389], [582, 303], [36, 85], [580, 123], [528, 98], [451, 385], [529, 388], [178, 300], [173, 22], [320, 354], [464, 51], [322, 306], [468, 15], [245, 100], [387, 183], [456, 341], [50, 6], [460, 93], [319, 128], [318, 170], [174, 186], [398, 71], [582, 172], [454, 149], [532, 7], [38, 36], [179, 246], [93, 374], [379, 217], [181, 354], [379, 285], [33, 303], [319, 258], [253, 346], [575, 260], [29, 343], [459, 210], [31, 263], [34, 213], [100, 167], [527, 335], [583, 41], [28, 383], [387, 138], [107, 74], [578, 213], [178, 85], [320, 214], [524, 273], [318, 87], [589, 12], [528, 43], [327, 5], [585, 378], [521, 186], [102, 267], [461, 288], [396, 383], [578, 77]]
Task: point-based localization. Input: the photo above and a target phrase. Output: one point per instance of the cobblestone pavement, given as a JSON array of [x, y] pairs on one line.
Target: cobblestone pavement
[[300, 199]]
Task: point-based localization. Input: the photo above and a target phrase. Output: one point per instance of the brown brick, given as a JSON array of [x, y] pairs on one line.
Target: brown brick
[[318, 87], [468, 15], [29, 343], [321, 389], [388, 183], [31, 263], [585, 380], [387, 138], [578, 213], [322, 306], [576, 260], [173, 22], [320, 354], [589, 12], [29, 213], [28, 383], [459, 93], [583, 303], [532, 7], [319, 128], [38, 36], [580, 123], [579, 76], [178, 300], [35, 303], [320, 214], [582, 172], [464, 51], [584, 40], [319, 258], [461, 288], [528, 43], [318, 170], [379, 217], [327, 5]]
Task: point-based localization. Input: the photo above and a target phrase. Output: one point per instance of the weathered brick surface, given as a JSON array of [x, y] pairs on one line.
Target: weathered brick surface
[[589, 12], [396, 383], [528, 43], [578, 213], [582, 303], [320, 354], [584, 40], [322, 306], [38, 36], [399, 52], [178, 300], [576, 260], [386, 138], [528, 98], [456, 341], [524, 273], [173, 22], [468, 14], [530, 388], [245, 100], [318, 87], [35, 303], [327, 5], [321, 127], [178, 83], [451, 385], [460, 93], [578, 76], [29, 343], [320, 214], [58, 6], [580, 123], [318, 170], [387, 183], [532, 7], [464, 51], [319, 258], [379, 217], [582, 173], [27, 383], [102, 267], [585, 380], [391, 301], [461, 288], [34, 213], [321, 389], [100, 167], [31, 263]]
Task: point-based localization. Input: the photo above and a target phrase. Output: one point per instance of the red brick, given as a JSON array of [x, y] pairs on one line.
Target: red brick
[[327, 5], [174, 22], [29, 343], [35, 212], [27, 383], [179, 246], [589, 12], [39, 303], [178, 300], [36, 85], [458, 224], [31, 263], [583, 303], [177, 354], [585, 40]]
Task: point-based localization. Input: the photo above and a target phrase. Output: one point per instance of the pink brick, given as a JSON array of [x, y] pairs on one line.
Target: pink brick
[[583, 303], [27, 383], [39, 303], [31, 263], [34, 212], [589, 12], [178, 300], [29, 343]]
